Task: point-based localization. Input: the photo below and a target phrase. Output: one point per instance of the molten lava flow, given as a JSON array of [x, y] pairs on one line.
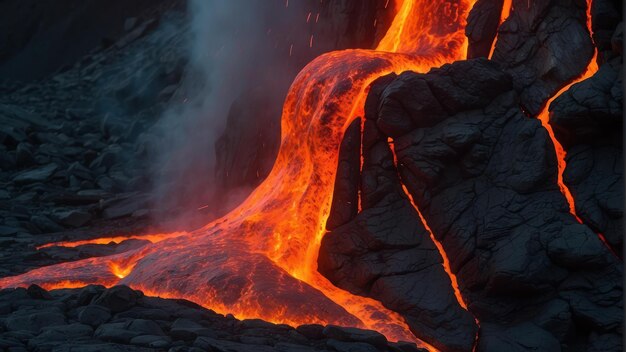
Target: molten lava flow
[[260, 260], [154, 238], [69, 284]]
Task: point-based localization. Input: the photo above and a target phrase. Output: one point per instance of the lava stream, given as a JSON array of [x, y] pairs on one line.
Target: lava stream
[[260, 260]]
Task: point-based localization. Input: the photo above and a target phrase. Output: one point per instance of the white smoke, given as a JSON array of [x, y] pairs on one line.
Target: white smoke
[[233, 46]]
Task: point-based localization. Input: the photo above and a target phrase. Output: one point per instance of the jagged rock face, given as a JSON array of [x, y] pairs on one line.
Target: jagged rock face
[[588, 121], [385, 252], [482, 25], [543, 46], [485, 179], [121, 319], [606, 16]]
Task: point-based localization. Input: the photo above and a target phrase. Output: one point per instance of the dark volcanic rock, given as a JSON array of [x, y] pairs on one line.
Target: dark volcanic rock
[[36, 292], [385, 252], [40, 174], [247, 149], [94, 315], [118, 298], [482, 26], [606, 15], [73, 218], [588, 121], [544, 45], [346, 193], [485, 179], [341, 346], [33, 321], [358, 335], [62, 323], [45, 29]]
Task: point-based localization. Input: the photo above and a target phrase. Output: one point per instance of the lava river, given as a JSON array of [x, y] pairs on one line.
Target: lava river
[[260, 260]]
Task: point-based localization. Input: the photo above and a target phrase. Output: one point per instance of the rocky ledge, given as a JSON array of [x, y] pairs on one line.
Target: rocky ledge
[[95, 318]]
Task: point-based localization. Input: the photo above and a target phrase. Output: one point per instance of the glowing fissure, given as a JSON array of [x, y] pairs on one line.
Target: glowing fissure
[[276, 232], [444, 256], [544, 117]]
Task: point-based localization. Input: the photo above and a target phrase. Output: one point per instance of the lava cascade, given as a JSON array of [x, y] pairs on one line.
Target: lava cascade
[[260, 259]]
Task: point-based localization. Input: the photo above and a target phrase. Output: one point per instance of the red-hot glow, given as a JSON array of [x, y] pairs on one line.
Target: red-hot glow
[[260, 260], [444, 256], [544, 116], [70, 284], [154, 238]]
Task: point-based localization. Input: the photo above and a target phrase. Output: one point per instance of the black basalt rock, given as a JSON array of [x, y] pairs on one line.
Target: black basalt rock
[[543, 45], [484, 176], [386, 253], [588, 122], [482, 26]]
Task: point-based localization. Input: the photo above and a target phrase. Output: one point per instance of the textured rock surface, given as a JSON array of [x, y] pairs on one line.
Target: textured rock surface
[[485, 178], [606, 16], [385, 252], [588, 121], [482, 26], [75, 320], [247, 149], [64, 31], [544, 45]]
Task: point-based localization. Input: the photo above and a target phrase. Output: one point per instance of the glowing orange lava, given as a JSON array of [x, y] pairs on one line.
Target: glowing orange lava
[[70, 284], [260, 260], [154, 238]]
